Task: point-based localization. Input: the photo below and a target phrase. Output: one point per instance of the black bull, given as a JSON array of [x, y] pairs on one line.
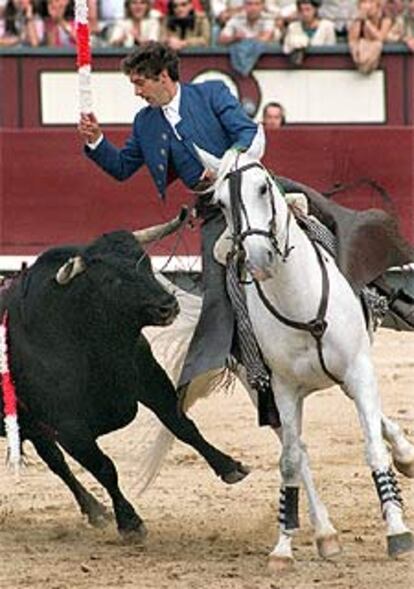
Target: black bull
[[80, 364]]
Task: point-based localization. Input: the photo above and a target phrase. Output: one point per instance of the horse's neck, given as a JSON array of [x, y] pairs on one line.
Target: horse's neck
[[296, 282]]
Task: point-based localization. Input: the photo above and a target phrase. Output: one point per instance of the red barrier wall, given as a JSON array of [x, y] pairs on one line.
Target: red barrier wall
[[55, 195]]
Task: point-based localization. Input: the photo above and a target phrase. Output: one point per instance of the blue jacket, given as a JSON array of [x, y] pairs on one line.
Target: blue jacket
[[210, 117]]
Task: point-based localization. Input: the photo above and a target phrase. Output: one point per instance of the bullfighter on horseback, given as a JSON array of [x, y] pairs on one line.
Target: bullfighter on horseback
[[183, 125]]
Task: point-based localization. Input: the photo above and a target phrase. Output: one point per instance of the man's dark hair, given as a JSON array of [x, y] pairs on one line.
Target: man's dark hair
[[150, 59]]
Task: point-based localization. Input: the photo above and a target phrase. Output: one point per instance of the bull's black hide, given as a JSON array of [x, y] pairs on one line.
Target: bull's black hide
[[80, 364]]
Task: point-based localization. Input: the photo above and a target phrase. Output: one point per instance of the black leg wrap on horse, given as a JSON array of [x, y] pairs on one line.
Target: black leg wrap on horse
[[289, 508], [387, 487]]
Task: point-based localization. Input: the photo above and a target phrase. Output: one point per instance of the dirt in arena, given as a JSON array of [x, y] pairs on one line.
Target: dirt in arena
[[203, 534]]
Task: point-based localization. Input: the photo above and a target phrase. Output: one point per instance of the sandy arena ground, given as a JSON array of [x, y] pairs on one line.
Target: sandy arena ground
[[204, 534]]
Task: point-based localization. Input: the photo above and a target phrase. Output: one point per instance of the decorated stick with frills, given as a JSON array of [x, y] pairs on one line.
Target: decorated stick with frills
[[84, 58], [9, 400]]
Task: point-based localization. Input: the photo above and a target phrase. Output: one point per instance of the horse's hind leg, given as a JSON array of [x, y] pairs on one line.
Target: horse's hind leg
[[402, 450], [49, 452], [360, 384]]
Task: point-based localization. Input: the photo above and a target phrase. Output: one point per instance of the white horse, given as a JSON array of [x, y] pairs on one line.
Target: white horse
[[311, 330]]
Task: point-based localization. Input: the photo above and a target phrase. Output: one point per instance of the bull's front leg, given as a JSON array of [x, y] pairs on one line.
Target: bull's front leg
[[158, 394]]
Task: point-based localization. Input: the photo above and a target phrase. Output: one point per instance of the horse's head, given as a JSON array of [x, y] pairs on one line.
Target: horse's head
[[255, 211]]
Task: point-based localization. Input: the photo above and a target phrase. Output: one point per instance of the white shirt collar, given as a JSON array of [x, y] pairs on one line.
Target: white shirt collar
[[174, 105]]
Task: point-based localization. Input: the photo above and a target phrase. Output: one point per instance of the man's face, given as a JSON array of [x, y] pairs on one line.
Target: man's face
[[273, 118], [253, 8], [156, 92]]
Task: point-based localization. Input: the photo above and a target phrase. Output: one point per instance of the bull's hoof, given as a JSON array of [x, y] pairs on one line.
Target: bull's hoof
[[280, 564], [236, 475], [328, 546], [134, 535], [400, 544], [405, 468]]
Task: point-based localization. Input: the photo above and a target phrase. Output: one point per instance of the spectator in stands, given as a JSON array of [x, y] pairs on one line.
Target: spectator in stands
[[408, 30], [59, 30], [367, 34], [22, 25], [185, 27], [247, 34], [273, 116], [341, 13], [142, 23], [307, 30], [395, 10], [250, 23]]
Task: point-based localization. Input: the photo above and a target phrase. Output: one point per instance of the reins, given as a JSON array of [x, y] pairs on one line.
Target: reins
[[317, 326]]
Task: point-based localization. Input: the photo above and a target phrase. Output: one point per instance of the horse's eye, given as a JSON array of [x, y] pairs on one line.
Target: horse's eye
[[263, 189]]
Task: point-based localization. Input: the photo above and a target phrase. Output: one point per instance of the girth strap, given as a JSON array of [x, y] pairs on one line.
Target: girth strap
[[316, 327]]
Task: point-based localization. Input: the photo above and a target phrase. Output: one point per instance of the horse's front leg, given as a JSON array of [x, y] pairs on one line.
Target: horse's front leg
[[326, 536], [289, 404], [360, 384]]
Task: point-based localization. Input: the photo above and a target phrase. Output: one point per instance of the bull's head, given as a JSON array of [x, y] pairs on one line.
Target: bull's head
[[120, 270], [76, 265]]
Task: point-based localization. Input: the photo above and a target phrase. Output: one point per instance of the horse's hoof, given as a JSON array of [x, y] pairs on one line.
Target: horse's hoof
[[134, 535], [405, 468], [280, 564], [328, 546], [236, 475], [400, 544]]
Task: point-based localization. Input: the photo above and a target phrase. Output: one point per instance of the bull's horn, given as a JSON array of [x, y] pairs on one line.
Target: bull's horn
[[69, 270], [149, 234]]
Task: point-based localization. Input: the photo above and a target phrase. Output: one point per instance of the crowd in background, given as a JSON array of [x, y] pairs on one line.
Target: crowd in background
[[247, 27]]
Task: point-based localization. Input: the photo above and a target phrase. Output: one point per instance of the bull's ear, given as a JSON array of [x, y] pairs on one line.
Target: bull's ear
[[69, 270], [149, 234]]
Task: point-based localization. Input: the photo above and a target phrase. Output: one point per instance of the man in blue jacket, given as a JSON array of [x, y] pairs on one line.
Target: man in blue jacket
[[182, 124]]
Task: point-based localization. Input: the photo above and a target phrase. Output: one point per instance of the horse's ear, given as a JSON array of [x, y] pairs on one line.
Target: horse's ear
[[208, 160]]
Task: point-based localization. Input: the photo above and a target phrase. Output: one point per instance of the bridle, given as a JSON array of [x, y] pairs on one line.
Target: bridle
[[317, 326], [238, 210]]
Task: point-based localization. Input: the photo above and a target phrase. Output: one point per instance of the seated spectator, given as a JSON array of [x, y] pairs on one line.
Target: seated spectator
[[307, 30], [185, 27], [22, 25], [341, 13], [273, 116], [394, 9], [408, 26], [251, 23], [142, 23], [367, 34], [59, 29]]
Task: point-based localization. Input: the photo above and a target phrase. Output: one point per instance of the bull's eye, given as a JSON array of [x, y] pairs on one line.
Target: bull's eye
[[263, 189]]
